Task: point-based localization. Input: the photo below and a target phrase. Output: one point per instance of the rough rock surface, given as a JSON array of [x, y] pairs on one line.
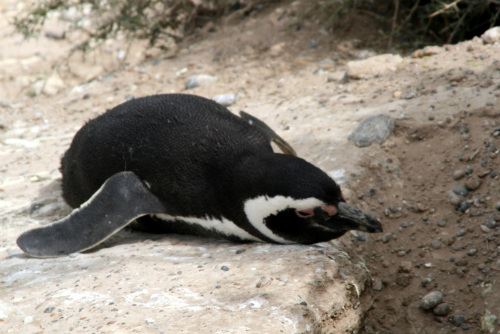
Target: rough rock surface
[[181, 284], [374, 129]]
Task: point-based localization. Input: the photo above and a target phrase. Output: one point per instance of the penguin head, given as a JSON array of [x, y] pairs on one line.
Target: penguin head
[[304, 205]]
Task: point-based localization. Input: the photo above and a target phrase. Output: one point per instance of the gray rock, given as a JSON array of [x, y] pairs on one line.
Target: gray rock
[[491, 35], [461, 232], [386, 237], [457, 319], [374, 129], [431, 300], [461, 190], [442, 309], [198, 80]]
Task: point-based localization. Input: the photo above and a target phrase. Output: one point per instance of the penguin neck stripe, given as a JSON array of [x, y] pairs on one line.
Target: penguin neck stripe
[[258, 208], [223, 226]]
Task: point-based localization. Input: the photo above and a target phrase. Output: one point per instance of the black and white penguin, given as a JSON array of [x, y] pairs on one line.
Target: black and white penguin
[[179, 163]]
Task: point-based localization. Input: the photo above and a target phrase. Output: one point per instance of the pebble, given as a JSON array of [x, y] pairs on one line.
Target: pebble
[[442, 223], [458, 174], [28, 319], [461, 232], [472, 251], [442, 309], [436, 244], [405, 267], [377, 284], [457, 319], [225, 99], [426, 281], [386, 237], [198, 80], [497, 206], [485, 229], [49, 309], [374, 129], [464, 206], [473, 183], [461, 190], [453, 198], [431, 300], [225, 268], [359, 237], [239, 251]]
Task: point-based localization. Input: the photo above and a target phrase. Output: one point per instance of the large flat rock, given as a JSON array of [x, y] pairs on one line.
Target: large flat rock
[[182, 284]]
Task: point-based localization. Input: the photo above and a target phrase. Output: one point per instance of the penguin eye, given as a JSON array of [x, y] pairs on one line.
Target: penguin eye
[[305, 213]]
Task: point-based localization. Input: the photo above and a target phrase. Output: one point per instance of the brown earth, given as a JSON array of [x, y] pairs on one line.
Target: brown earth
[[447, 116]]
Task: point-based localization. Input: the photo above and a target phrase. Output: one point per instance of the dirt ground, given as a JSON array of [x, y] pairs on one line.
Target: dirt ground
[[447, 137]]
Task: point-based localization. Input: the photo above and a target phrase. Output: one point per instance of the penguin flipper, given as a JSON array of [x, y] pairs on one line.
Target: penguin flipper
[[120, 200], [268, 133]]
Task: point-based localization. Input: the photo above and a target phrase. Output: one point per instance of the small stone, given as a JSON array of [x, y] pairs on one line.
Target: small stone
[[377, 284], [453, 198], [405, 267], [49, 309], [497, 206], [491, 36], [436, 244], [199, 80], [277, 49], [386, 264], [225, 268], [461, 232], [473, 183], [225, 99], [149, 321], [239, 251], [485, 229], [458, 174], [28, 319], [361, 238], [442, 309], [472, 251], [457, 320], [461, 190], [430, 300], [374, 129], [426, 281], [463, 206], [442, 223], [386, 237]]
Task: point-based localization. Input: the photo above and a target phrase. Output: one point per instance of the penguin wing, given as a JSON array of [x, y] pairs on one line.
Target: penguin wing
[[120, 200], [268, 133]]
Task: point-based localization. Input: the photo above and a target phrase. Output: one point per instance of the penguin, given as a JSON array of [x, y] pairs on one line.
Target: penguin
[[178, 163]]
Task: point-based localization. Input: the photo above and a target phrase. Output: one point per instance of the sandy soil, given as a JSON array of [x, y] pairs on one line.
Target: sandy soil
[[447, 134]]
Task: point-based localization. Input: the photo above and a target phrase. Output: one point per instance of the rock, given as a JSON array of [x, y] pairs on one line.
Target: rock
[[405, 267], [386, 237], [359, 69], [472, 183], [472, 251], [457, 319], [461, 190], [225, 99], [485, 229], [488, 322], [497, 206], [431, 300], [377, 284], [123, 280], [436, 244], [428, 51], [374, 129], [442, 309], [453, 198], [491, 35], [198, 80], [458, 174], [461, 232]]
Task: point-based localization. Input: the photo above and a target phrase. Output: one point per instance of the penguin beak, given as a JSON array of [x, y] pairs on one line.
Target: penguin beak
[[344, 217], [356, 219]]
